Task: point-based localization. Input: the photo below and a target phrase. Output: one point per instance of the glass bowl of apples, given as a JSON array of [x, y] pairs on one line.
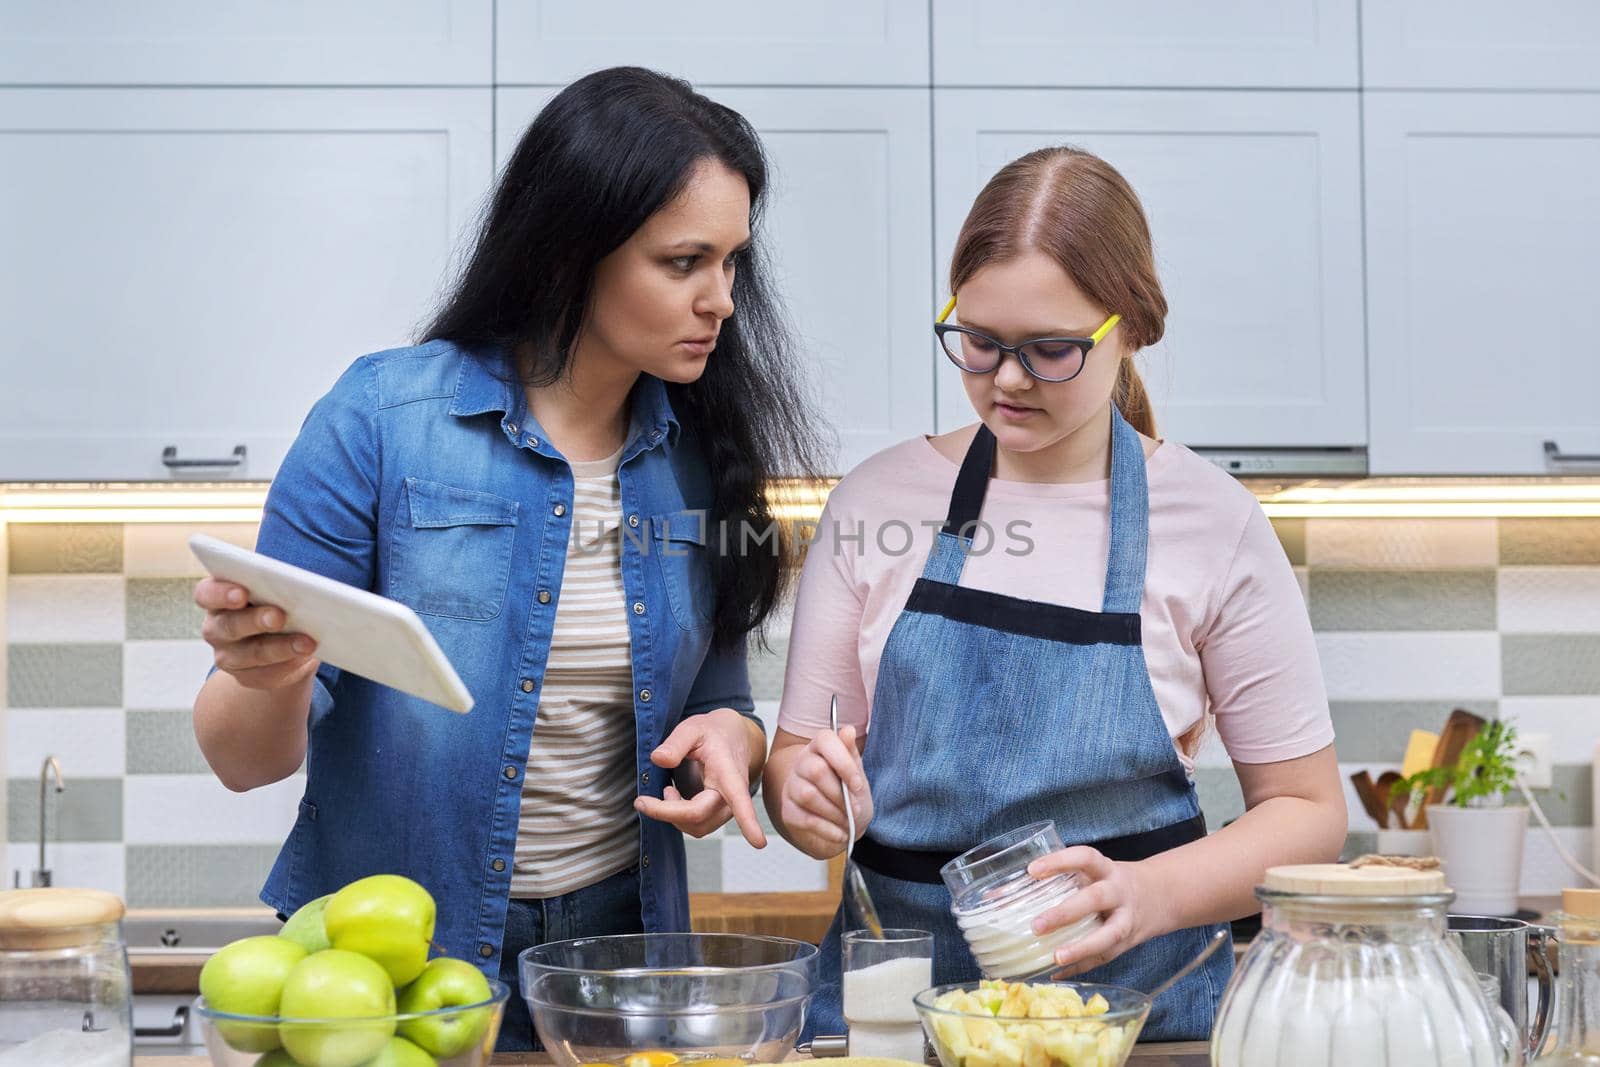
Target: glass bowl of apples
[[654, 1000], [347, 982], [994, 1023], [444, 1037]]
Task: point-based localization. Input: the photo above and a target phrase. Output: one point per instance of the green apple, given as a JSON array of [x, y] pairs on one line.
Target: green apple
[[446, 983], [401, 1053], [305, 926], [335, 984], [247, 977], [276, 1058], [386, 918]]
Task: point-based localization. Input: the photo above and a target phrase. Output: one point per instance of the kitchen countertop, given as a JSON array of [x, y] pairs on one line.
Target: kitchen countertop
[[1183, 1054], [177, 973]]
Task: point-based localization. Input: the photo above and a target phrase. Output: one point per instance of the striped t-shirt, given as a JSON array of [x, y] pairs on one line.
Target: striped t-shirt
[[578, 824]]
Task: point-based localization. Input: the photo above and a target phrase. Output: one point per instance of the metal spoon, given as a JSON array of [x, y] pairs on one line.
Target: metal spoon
[[855, 885], [1211, 946]]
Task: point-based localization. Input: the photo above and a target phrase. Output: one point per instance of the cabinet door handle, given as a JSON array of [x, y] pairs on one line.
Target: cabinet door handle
[[1553, 454], [170, 460], [180, 1022]]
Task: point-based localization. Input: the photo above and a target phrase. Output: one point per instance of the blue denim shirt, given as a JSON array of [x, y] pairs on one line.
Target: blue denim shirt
[[423, 477]]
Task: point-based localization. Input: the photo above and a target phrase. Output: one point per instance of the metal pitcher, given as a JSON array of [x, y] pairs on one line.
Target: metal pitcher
[[1507, 949]]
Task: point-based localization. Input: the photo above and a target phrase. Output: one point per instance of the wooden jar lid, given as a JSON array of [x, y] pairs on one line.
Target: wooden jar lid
[[54, 918], [1582, 903], [1342, 880]]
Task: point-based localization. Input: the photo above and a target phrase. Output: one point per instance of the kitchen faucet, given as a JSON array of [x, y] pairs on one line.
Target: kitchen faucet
[[41, 876]]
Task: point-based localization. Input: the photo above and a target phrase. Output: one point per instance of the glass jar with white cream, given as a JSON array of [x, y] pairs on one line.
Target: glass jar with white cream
[[995, 901]]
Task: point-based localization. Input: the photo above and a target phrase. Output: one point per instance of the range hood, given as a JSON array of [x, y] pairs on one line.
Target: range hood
[[1348, 462]]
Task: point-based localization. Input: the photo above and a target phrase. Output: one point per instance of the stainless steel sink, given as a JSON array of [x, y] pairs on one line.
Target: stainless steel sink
[[151, 933]]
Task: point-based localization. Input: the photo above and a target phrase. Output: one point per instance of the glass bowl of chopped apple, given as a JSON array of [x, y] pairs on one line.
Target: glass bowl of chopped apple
[[1032, 1024]]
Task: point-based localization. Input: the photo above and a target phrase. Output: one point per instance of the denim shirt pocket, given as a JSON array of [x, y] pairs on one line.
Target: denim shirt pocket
[[452, 550], [678, 541]]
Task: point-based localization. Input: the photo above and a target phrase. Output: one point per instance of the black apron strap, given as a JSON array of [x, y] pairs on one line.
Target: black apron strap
[[966, 501], [910, 865]]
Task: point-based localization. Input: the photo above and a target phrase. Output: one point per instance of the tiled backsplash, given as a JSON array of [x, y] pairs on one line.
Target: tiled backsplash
[[1413, 617]]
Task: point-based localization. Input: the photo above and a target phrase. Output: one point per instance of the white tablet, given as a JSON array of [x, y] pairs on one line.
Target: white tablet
[[355, 630]]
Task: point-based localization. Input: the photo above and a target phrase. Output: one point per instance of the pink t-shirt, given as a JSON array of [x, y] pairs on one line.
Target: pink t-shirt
[[1224, 623]]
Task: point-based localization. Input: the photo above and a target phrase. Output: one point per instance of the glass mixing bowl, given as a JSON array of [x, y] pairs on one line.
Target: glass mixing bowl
[[649, 1000], [452, 1037]]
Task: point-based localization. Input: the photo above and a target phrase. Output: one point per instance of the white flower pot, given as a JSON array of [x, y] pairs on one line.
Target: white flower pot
[[1405, 843], [1481, 849]]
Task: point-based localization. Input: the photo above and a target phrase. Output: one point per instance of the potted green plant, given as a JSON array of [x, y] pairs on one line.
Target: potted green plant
[[1477, 832]]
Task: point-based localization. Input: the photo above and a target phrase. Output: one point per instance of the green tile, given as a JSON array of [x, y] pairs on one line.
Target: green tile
[[57, 548], [162, 742], [1292, 535], [1358, 843], [1403, 600], [1221, 799], [1353, 738], [89, 810], [1376, 731], [64, 676], [162, 608], [197, 876], [1550, 664], [1551, 541], [703, 858], [1570, 799], [766, 670]]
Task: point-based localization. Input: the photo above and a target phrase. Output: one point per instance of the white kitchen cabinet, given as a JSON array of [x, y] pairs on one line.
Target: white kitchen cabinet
[[1483, 245], [1480, 44], [287, 42], [716, 42], [1254, 202], [192, 269], [1152, 44], [848, 225]]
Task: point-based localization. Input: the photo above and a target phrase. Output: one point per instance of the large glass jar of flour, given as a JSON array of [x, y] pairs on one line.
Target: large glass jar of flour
[[65, 992], [1352, 966]]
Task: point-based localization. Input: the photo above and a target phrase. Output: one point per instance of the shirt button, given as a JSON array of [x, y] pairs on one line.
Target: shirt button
[[512, 427], [509, 772], [486, 951], [544, 596], [638, 607], [533, 442], [498, 865], [527, 685], [633, 520], [560, 510], [644, 695], [645, 778], [645, 862]]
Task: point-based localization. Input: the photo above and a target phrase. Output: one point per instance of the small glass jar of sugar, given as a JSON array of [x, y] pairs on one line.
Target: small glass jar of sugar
[[995, 902], [881, 974]]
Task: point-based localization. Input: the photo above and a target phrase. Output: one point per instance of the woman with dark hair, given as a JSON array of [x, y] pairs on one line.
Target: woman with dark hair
[[544, 479]]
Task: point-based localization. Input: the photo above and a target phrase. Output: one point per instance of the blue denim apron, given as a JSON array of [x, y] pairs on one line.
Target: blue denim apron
[[992, 712]]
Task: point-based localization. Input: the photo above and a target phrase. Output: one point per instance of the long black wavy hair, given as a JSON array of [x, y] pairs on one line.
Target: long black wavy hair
[[603, 156]]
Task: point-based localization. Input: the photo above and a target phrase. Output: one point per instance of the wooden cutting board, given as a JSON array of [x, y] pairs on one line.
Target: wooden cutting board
[[1462, 726]]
